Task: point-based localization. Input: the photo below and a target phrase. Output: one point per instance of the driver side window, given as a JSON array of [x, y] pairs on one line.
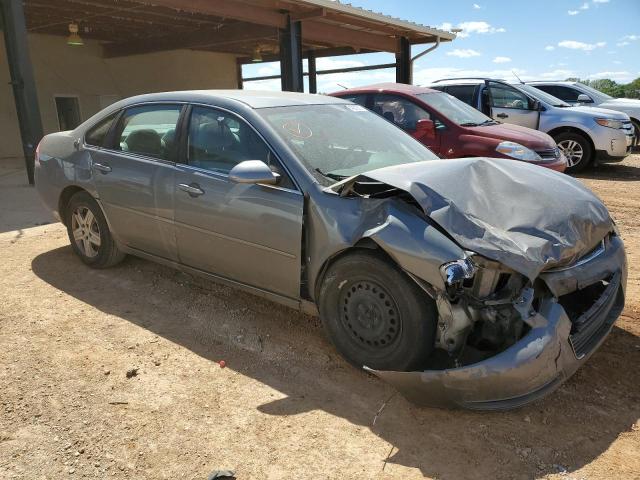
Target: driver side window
[[505, 97], [400, 111], [217, 141]]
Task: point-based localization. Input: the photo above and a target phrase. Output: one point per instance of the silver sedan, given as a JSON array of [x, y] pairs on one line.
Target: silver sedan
[[478, 283]]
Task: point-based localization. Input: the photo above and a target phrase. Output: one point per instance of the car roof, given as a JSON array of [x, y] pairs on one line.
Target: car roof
[[552, 82], [388, 87], [252, 98], [461, 81]]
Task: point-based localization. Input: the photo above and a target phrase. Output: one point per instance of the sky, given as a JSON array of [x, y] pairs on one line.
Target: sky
[[536, 39]]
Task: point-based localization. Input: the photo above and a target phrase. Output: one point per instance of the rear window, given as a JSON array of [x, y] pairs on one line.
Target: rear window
[[462, 92], [98, 134]]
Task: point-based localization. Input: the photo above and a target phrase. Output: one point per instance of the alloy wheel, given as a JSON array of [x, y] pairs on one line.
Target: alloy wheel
[[573, 152], [86, 232]]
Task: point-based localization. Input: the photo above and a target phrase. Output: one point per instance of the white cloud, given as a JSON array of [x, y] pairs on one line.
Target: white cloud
[[620, 76], [463, 53], [600, 1], [549, 48], [469, 28], [586, 47], [501, 60], [627, 39], [557, 74], [476, 6], [617, 62], [573, 12], [585, 6]]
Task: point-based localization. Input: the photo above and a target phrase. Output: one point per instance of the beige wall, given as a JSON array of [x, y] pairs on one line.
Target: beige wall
[[63, 70]]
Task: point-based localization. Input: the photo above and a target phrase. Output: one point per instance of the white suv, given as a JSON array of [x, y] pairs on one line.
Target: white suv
[[576, 93]]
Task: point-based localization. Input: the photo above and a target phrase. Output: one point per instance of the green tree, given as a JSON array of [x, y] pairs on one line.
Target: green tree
[[611, 87]]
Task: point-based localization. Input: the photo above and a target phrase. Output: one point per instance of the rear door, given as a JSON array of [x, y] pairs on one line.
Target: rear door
[[405, 114], [510, 105], [243, 232], [134, 176]]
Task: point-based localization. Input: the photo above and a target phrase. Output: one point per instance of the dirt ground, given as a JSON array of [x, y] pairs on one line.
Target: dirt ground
[[286, 405]]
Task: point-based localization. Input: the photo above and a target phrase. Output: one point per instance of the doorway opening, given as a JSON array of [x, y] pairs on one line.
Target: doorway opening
[[68, 109]]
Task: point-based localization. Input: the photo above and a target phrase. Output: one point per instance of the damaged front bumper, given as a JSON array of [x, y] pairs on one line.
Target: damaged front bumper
[[551, 351]]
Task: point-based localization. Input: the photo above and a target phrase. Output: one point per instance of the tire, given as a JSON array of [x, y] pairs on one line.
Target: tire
[[396, 320], [573, 144], [636, 140], [93, 241]]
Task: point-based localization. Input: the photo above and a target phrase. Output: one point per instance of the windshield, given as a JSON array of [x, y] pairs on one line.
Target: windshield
[[595, 93], [338, 141], [455, 110], [542, 96]]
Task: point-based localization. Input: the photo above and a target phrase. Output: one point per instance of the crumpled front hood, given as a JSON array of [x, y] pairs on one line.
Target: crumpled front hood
[[527, 217]]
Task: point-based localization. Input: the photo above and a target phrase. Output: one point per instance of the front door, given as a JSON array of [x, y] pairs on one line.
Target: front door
[[509, 105], [135, 176], [248, 233], [405, 114]]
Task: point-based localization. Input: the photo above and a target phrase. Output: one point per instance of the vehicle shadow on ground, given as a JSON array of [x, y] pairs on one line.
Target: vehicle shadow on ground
[[568, 429], [612, 171]]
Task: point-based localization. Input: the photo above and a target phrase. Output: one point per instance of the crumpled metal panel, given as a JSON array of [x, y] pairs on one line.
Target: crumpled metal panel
[[526, 217]]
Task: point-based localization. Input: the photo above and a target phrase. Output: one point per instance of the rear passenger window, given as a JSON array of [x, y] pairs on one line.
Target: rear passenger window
[[218, 141], [462, 92], [563, 93], [149, 130], [96, 135]]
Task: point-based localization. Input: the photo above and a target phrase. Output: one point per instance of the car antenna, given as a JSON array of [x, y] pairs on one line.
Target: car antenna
[[516, 75], [340, 85]]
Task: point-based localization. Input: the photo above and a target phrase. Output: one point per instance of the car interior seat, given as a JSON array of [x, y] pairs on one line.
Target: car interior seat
[[145, 141]]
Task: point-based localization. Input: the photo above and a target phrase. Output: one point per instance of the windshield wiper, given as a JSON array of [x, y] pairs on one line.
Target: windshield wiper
[[469, 124], [489, 122], [331, 176]]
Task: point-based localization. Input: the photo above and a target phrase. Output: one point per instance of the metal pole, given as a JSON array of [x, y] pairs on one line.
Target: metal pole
[[291, 57], [313, 79], [22, 80], [403, 61]]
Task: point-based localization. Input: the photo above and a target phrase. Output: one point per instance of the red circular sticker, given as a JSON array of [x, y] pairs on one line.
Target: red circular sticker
[[297, 129]]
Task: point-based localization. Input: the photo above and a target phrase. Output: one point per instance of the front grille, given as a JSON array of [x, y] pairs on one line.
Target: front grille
[[592, 311], [549, 153]]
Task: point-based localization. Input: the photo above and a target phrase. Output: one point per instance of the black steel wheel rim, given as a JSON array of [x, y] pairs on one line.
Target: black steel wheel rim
[[370, 315]]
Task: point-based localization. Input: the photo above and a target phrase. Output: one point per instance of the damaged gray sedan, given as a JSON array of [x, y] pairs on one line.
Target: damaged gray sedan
[[478, 283]]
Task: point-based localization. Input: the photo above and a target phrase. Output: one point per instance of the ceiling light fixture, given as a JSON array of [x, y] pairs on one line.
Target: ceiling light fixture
[[74, 39], [256, 56]]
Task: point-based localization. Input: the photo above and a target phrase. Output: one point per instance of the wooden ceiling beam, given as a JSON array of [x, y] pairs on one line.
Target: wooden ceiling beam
[[235, 10], [209, 38]]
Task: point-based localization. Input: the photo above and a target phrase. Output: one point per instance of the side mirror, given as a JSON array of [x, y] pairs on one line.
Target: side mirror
[[425, 129], [584, 98], [253, 171], [535, 105]]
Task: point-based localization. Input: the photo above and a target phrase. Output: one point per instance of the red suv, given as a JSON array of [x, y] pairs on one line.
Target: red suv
[[453, 129]]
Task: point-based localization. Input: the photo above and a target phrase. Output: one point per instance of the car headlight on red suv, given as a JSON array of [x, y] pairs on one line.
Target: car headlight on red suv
[[518, 152]]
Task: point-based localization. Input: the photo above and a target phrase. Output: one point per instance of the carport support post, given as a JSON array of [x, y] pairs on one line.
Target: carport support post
[[22, 80], [403, 61], [291, 57], [313, 79]]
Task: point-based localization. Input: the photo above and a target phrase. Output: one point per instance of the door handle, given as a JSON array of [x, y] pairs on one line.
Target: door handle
[[102, 168], [193, 189], [502, 115]]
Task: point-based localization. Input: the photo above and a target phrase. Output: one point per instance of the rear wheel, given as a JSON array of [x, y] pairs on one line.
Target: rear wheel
[[636, 139], [89, 232], [577, 150], [375, 314]]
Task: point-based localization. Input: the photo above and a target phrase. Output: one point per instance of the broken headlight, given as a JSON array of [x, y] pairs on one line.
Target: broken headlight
[[456, 272]]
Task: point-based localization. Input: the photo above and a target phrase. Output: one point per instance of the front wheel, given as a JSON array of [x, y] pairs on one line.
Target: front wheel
[[375, 315], [577, 150], [89, 232]]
